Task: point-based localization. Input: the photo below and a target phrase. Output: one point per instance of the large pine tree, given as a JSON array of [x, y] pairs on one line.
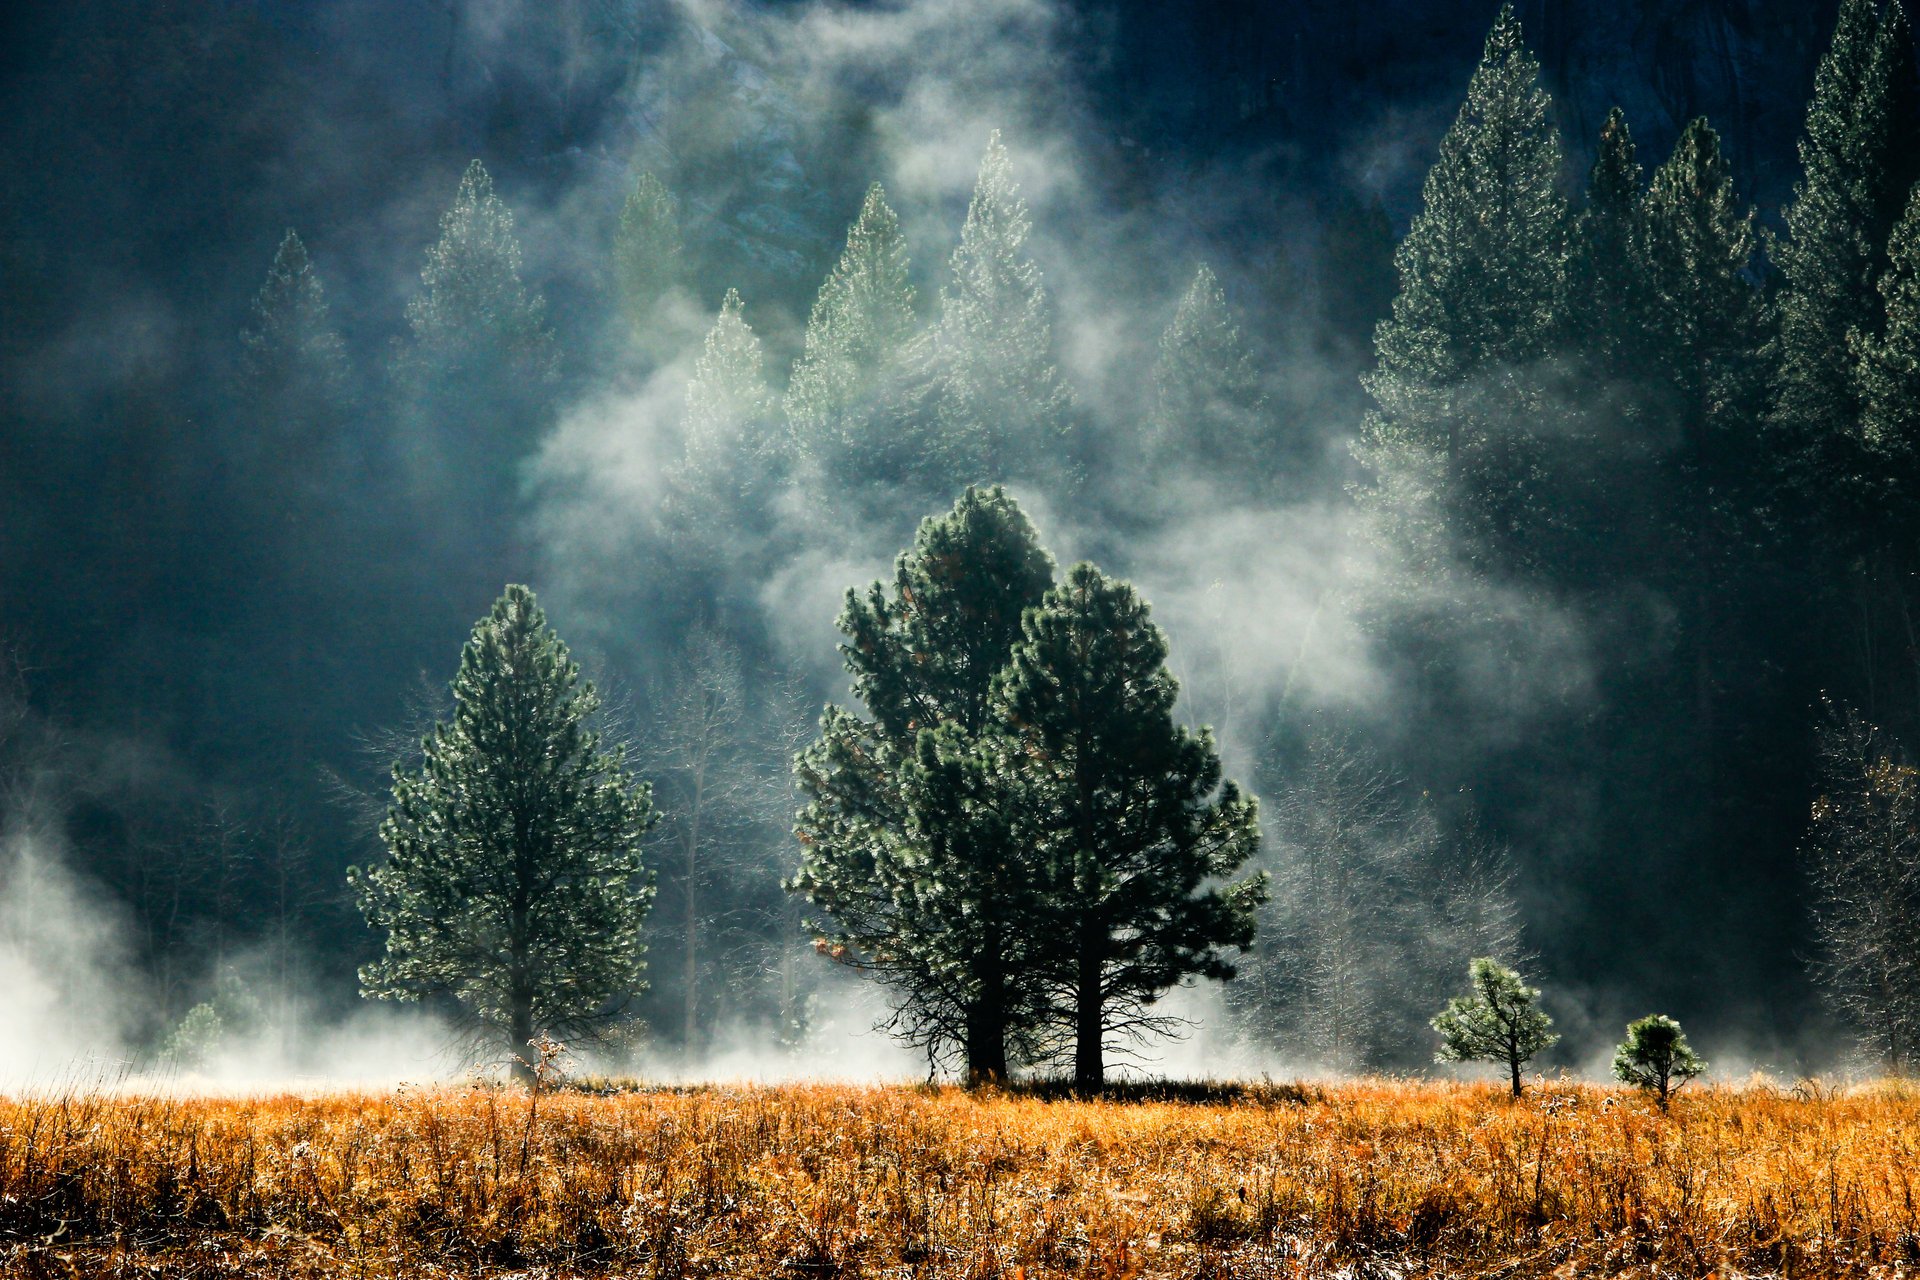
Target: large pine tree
[[1000, 406], [1452, 442], [729, 447], [1128, 812], [905, 832], [1859, 161], [857, 335], [513, 880]]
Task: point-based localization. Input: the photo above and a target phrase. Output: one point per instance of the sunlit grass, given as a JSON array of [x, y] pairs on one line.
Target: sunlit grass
[[1366, 1178]]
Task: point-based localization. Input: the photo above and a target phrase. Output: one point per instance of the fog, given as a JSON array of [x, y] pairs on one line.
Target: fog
[[217, 615]]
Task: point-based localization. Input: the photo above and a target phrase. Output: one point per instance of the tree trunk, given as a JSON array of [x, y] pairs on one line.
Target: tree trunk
[[1513, 1064], [1089, 1063], [986, 1044], [520, 1032]]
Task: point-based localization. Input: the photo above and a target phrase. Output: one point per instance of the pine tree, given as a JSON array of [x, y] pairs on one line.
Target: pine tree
[[476, 373], [1450, 442], [906, 828], [1889, 379], [1209, 410], [513, 880], [473, 309], [1656, 1057], [290, 356], [1859, 161], [1706, 326], [1000, 406], [1607, 294], [1128, 811], [293, 390], [646, 253], [1498, 1021], [857, 335], [1706, 320], [728, 448]]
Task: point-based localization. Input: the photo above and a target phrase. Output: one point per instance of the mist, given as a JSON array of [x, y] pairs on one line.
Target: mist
[[225, 605]]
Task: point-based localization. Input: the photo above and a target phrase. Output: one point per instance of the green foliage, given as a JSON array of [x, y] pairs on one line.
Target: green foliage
[[908, 823], [213, 1026], [1209, 409], [1705, 318], [1001, 407], [513, 881], [1607, 291], [646, 253], [857, 335], [1498, 1021], [1656, 1057], [290, 356], [1889, 376], [1127, 813], [1451, 443], [1858, 162], [473, 310]]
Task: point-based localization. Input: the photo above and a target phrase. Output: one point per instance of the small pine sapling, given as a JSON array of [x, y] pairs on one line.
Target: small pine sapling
[[1499, 1022], [1656, 1057]]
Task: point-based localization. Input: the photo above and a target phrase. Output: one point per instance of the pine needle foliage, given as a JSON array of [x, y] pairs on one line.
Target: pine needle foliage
[[907, 830], [1499, 1020], [513, 880], [1129, 814]]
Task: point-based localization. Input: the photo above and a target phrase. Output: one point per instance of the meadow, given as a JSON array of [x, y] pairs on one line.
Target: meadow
[[1360, 1179]]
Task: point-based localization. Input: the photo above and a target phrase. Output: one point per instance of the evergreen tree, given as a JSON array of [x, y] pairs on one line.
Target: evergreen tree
[[906, 828], [293, 393], [857, 334], [1451, 441], [1656, 1057], [1889, 379], [1209, 410], [290, 356], [473, 315], [1705, 322], [1607, 294], [1129, 814], [1859, 161], [1000, 406], [1498, 1021], [728, 450], [513, 880], [646, 254], [475, 376]]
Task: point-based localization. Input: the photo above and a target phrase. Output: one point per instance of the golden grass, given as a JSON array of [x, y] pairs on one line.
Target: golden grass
[[1364, 1179]]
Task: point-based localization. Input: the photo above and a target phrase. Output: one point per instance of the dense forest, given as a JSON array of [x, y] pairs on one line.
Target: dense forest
[[1525, 487]]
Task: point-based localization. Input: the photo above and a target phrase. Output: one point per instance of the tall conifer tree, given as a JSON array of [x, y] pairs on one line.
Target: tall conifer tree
[[907, 830], [1859, 161], [1889, 378], [1000, 405], [646, 254], [857, 334], [513, 880], [1209, 409], [1128, 811], [475, 375], [1450, 441]]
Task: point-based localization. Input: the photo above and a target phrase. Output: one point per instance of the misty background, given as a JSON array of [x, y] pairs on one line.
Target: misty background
[[225, 618]]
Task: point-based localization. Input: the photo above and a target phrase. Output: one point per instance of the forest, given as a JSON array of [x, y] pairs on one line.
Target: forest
[[1513, 543]]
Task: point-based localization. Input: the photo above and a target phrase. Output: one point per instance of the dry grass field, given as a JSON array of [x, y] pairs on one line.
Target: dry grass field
[[1356, 1180]]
